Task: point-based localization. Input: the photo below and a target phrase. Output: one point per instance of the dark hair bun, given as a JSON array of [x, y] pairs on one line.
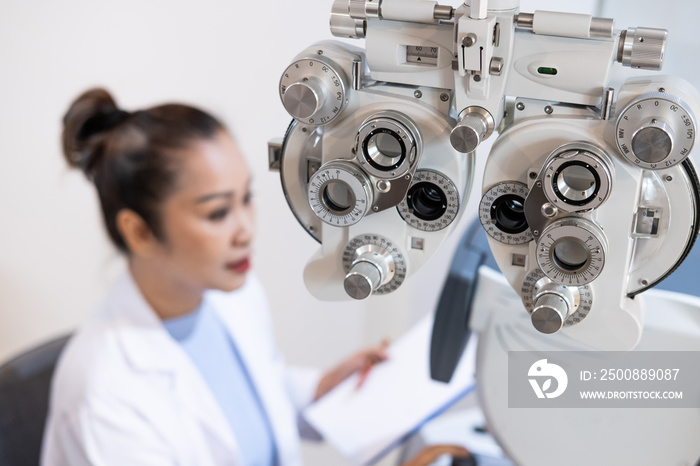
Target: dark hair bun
[[85, 125]]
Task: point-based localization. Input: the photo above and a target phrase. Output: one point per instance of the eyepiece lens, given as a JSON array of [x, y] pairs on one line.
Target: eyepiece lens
[[576, 183], [570, 254], [509, 214], [338, 197], [384, 149], [427, 201]]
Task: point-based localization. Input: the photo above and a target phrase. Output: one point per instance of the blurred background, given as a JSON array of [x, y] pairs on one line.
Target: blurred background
[[227, 57]]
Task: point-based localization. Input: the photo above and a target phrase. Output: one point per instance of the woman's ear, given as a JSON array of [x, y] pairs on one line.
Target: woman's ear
[[136, 233]]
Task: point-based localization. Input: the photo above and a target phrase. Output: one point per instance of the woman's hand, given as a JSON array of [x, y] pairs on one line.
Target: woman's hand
[[359, 361], [430, 454]]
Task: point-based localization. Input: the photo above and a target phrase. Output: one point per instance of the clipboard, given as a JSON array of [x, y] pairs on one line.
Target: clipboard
[[396, 399]]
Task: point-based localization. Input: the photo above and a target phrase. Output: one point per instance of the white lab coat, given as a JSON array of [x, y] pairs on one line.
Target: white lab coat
[[125, 393]]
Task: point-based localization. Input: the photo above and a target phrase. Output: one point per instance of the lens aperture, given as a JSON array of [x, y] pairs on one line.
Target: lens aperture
[[384, 149], [337, 197], [508, 214], [427, 201], [570, 254]]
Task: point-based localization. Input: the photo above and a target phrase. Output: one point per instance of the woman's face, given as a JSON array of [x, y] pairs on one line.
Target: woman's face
[[209, 221]]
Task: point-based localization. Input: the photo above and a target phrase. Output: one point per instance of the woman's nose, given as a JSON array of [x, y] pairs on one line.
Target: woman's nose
[[245, 228]]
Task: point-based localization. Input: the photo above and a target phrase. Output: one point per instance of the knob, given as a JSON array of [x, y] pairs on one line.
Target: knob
[[372, 268], [475, 124], [656, 131], [313, 90], [364, 277], [642, 48], [302, 100], [550, 312], [652, 143], [553, 304]]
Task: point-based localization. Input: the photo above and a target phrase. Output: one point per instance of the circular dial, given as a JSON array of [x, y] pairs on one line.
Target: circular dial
[[339, 193], [432, 202], [374, 262], [571, 251], [502, 215], [312, 91], [577, 177], [387, 144], [656, 131], [534, 281]]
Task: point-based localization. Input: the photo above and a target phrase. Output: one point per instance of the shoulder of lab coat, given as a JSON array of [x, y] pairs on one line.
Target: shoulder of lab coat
[[122, 364]]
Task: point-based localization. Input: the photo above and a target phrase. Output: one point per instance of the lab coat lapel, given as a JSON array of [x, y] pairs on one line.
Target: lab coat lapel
[[260, 358], [152, 351]]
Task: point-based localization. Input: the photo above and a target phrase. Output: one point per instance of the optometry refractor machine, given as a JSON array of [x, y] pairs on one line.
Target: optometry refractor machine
[[589, 197]]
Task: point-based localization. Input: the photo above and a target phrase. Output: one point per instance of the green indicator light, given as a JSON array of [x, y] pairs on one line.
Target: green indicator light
[[547, 70]]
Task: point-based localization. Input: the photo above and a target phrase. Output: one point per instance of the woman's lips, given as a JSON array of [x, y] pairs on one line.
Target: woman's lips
[[242, 266]]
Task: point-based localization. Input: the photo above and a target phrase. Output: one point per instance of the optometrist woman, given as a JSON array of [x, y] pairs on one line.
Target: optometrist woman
[[178, 364]]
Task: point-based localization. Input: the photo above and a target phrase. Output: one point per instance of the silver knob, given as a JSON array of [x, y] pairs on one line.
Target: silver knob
[[642, 48], [344, 25], [301, 100], [553, 304], [550, 313], [652, 143], [363, 278], [373, 267], [475, 124], [312, 89]]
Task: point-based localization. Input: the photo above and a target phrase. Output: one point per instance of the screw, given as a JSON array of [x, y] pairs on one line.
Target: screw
[[469, 40], [311, 228], [661, 89], [643, 282], [477, 78], [319, 52], [303, 129], [408, 177], [548, 110], [669, 178], [417, 94], [375, 208], [444, 97], [539, 184], [520, 106], [533, 175], [536, 232]]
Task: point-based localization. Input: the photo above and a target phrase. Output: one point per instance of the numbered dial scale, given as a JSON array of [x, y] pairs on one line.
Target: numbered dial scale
[[656, 131], [432, 202], [571, 251], [501, 213], [312, 90], [584, 301], [339, 193], [389, 248]]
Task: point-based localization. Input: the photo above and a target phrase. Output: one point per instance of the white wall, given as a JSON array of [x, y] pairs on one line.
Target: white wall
[[227, 56]]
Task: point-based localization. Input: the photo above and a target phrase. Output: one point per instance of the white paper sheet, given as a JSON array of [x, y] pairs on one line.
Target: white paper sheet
[[397, 397]]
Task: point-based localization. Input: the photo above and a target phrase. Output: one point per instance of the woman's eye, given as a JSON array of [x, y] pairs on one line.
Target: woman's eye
[[219, 214], [248, 198]]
